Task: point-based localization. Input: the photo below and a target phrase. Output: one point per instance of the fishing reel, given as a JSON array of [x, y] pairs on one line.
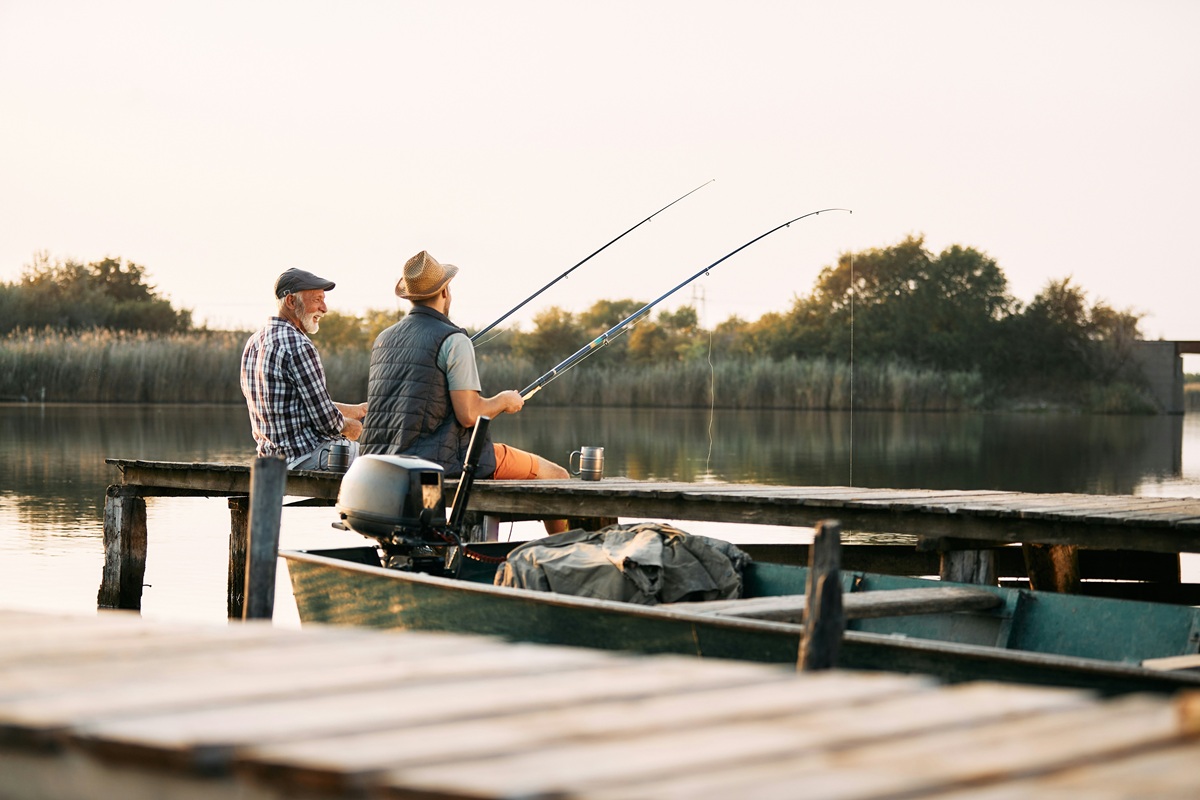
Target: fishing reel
[[399, 502]]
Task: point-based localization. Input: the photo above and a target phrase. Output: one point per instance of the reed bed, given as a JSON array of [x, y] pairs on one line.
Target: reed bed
[[107, 367], [111, 367], [754, 384]]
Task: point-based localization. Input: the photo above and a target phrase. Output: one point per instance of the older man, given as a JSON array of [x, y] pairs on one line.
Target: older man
[[291, 413], [424, 388]]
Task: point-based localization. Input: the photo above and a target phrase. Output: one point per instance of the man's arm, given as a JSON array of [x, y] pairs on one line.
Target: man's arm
[[470, 405], [354, 415]]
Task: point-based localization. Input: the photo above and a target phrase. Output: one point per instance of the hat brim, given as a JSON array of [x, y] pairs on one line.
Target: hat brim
[[403, 293]]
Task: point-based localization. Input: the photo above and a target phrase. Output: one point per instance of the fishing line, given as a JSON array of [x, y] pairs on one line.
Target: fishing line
[[712, 390], [853, 292]]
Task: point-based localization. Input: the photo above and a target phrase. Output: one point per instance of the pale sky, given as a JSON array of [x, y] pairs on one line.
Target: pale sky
[[219, 143]]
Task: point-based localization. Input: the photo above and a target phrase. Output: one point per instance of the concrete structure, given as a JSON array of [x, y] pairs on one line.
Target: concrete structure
[[1162, 365]]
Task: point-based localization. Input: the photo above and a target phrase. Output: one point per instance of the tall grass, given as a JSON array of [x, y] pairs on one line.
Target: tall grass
[[105, 367], [108, 367], [747, 384]]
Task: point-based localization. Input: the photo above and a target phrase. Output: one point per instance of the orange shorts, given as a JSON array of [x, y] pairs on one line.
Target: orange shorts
[[513, 464]]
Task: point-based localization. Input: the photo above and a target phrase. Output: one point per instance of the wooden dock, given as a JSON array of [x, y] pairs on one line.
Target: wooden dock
[[116, 706], [958, 526]]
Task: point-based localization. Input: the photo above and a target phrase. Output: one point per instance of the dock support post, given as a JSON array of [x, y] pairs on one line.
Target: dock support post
[[968, 566], [239, 517], [268, 477], [1052, 567], [824, 617], [124, 548]]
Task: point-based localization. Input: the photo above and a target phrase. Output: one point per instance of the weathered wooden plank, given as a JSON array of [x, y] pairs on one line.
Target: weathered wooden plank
[[264, 650], [206, 739], [653, 763], [1170, 772], [976, 515], [218, 479], [378, 714], [342, 763], [40, 719], [950, 756]]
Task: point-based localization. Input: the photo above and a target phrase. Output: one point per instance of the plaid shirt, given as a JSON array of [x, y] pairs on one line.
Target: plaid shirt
[[284, 384]]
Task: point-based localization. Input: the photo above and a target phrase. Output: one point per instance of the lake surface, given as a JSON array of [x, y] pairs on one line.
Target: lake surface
[[53, 477]]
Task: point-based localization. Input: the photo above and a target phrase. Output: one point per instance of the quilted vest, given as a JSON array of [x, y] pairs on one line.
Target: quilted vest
[[408, 401]]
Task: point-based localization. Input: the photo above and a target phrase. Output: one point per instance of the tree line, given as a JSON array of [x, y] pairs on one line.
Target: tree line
[[951, 312]]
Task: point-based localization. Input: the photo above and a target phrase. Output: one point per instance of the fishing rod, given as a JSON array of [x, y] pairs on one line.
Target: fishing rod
[[521, 304], [604, 338]]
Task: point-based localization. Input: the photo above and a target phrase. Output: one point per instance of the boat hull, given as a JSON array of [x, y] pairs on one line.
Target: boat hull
[[337, 591]]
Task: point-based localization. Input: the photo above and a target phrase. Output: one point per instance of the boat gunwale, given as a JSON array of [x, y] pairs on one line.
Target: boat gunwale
[[1079, 665]]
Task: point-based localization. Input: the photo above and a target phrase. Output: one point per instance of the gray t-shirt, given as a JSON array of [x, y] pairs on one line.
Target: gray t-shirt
[[456, 358]]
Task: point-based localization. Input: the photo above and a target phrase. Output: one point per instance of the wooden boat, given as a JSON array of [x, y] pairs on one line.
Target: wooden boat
[[953, 632]]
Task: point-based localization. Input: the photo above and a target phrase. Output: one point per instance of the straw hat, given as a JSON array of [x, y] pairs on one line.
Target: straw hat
[[424, 277]]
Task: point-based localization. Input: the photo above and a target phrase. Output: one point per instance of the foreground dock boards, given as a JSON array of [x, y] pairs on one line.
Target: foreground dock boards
[[115, 706]]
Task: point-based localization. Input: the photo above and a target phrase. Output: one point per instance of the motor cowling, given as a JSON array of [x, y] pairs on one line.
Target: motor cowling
[[396, 499]]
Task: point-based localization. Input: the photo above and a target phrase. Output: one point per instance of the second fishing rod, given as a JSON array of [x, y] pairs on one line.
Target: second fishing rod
[[523, 303], [604, 338]]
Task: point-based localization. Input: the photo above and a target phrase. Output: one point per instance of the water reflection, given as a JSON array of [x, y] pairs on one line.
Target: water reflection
[[1023, 452], [53, 476], [52, 470]]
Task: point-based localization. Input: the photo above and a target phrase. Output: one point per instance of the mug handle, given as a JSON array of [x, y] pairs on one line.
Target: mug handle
[[323, 454], [570, 466]]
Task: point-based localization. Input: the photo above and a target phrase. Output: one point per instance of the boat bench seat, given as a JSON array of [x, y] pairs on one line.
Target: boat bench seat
[[1188, 662], [857, 605]]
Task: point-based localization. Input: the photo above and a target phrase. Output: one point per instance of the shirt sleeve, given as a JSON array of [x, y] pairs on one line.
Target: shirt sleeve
[[314, 394], [457, 359]]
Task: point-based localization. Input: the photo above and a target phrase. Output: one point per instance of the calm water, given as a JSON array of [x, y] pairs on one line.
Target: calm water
[[53, 477]]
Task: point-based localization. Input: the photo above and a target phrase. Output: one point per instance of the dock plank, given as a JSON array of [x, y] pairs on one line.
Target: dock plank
[[402, 714], [990, 752], [1170, 525], [800, 742], [345, 762], [207, 738]]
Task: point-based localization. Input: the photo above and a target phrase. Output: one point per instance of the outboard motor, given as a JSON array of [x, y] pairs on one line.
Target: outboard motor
[[398, 501]]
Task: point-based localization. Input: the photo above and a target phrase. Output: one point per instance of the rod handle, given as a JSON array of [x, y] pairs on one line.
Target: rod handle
[[474, 451]]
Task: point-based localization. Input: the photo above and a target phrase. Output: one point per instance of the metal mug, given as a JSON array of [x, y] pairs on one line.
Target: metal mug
[[338, 458], [591, 463]]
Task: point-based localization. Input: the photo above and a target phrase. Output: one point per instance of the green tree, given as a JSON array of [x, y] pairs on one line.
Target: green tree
[[349, 332], [556, 334], [1061, 340], [897, 302], [68, 295]]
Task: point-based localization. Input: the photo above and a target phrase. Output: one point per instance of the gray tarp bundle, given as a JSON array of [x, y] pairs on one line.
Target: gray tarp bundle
[[646, 563]]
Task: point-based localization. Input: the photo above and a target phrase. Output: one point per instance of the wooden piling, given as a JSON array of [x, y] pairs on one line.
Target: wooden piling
[[239, 531], [824, 616], [268, 477], [1052, 567], [124, 548], [968, 566]]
